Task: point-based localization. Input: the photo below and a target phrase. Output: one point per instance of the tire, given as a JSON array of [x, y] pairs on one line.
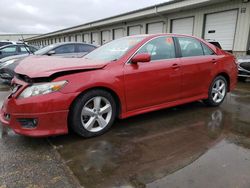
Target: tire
[[88, 117], [242, 79], [216, 95]]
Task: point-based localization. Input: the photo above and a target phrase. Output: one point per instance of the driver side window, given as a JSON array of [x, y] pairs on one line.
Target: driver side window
[[159, 48]]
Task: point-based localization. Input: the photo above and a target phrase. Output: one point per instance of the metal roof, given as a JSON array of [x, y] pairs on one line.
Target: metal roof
[[172, 5]]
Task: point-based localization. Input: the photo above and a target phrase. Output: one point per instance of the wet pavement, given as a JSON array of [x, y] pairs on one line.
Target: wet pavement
[[186, 146], [29, 162]]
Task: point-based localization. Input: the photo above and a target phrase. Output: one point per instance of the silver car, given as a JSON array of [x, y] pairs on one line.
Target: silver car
[[244, 68], [66, 49]]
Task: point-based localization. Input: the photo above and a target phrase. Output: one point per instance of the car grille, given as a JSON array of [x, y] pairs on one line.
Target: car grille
[[245, 65]]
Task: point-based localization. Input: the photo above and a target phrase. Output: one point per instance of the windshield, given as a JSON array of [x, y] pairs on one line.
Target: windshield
[[115, 49], [44, 50]]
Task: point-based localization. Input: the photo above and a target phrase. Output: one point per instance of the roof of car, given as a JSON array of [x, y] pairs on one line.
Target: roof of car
[[151, 36], [21, 44], [162, 34], [11, 45], [62, 43]]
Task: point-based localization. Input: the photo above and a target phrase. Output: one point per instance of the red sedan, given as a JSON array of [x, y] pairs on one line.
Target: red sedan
[[123, 78]]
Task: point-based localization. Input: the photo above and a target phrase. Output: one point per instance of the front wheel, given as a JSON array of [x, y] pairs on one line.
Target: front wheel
[[92, 113], [217, 91]]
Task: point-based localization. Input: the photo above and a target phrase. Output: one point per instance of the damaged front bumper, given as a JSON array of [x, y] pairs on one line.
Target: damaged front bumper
[[37, 116]]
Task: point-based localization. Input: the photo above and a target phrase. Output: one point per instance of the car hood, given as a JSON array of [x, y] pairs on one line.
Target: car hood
[[44, 66]]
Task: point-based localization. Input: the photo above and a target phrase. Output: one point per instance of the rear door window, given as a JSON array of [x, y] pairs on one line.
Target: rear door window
[[190, 47], [207, 50], [84, 48], [67, 48], [23, 49]]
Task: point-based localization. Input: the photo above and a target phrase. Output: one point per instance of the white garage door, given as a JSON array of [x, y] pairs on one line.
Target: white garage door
[[95, 38], [221, 27], [105, 36], [86, 38], [79, 38], [118, 33], [134, 30], [153, 28], [183, 26], [68, 39]]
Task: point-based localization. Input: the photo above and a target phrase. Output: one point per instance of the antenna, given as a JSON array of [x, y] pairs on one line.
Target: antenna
[[26, 46]]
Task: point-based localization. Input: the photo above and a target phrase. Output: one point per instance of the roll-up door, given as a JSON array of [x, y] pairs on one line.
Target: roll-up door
[[118, 33], [95, 38], [105, 36], [221, 27], [183, 26], [134, 30], [86, 38], [153, 28]]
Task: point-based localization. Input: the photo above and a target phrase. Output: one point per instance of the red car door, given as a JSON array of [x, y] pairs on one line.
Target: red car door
[[154, 82], [197, 62]]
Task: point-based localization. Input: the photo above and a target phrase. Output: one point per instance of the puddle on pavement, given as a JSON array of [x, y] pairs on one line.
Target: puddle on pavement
[[186, 146]]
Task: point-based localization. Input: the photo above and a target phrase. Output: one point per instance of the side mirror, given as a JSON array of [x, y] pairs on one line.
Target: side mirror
[[141, 58], [51, 52]]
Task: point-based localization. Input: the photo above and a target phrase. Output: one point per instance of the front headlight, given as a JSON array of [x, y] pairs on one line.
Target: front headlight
[[41, 89]]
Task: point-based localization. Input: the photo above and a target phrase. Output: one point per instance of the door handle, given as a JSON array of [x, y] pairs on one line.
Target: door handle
[[175, 66], [214, 61]]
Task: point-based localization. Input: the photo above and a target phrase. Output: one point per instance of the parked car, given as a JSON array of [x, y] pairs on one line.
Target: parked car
[[215, 43], [8, 64], [123, 78], [16, 49], [3, 43], [244, 68]]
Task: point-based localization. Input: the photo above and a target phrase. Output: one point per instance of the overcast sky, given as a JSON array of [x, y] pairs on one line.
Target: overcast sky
[[42, 16]]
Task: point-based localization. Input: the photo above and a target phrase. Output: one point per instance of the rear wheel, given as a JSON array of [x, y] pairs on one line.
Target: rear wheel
[[93, 113], [217, 91]]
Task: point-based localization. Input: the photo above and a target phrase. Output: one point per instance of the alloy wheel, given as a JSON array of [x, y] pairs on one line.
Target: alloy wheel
[[219, 90], [96, 114]]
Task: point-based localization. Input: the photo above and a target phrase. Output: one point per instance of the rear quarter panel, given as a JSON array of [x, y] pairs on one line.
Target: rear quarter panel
[[226, 64]]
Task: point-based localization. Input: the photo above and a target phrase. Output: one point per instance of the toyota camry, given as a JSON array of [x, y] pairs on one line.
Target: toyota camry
[[123, 78]]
